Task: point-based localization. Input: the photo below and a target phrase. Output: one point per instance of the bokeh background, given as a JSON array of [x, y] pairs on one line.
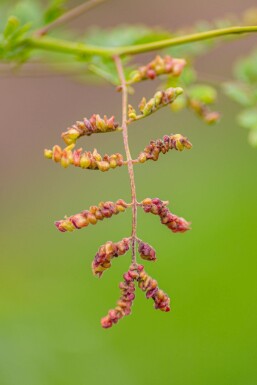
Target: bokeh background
[[50, 304]]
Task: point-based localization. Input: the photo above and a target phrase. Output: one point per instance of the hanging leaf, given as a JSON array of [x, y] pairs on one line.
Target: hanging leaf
[[240, 92]]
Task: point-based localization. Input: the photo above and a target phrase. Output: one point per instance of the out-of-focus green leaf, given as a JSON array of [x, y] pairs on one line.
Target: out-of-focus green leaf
[[12, 25], [86, 68], [248, 118], [28, 15], [190, 51], [55, 9], [203, 93], [244, 91], [240, 93], [179, 103], [13, 33], [24, 15], [246, 69], [28, 11], [187, 77], [124, 35], [105, 68], [252, 137], [20, 32]]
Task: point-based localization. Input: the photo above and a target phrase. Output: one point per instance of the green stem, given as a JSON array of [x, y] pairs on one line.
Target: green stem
[[64, 46], [58, 45], [141, 48]]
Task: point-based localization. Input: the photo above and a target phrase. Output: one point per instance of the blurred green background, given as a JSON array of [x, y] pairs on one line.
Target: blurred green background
[[51, 305]]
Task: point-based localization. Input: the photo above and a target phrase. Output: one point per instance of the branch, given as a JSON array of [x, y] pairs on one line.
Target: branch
[[141, 48], [121, 75], [78, 49], [69, 15]]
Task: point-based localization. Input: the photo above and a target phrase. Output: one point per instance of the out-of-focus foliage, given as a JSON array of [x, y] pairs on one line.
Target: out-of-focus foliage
[[205, 94], [105, 68], [11, 36], [35, 12], [55, 9], [20, 19], [97, 68], [243, 90], [202, 92], [239, 92], [124, 35]]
